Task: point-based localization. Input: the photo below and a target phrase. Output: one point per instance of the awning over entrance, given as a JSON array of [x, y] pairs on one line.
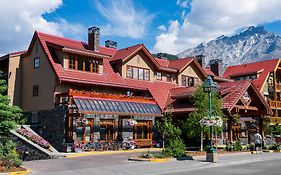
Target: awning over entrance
[[111, 106]]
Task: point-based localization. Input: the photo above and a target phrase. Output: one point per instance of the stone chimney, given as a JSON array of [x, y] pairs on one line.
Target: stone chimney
[[216, 66], [201, 60], [94, 38], [111, 44]]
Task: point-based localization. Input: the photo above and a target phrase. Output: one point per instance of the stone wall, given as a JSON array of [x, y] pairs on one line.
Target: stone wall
[[27, 151], [51, 126]]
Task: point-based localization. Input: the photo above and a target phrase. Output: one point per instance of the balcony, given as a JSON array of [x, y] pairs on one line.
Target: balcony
[[275, 104], [278, 86], [275, 120]]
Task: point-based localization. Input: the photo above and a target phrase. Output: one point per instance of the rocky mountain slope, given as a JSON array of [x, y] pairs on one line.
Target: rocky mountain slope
[[253, 44]]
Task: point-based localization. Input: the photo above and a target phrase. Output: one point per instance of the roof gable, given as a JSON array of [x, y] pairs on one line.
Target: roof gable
[[262, 67]]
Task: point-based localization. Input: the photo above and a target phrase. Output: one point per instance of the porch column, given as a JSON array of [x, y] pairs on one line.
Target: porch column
[[230, 134], [261, 131]]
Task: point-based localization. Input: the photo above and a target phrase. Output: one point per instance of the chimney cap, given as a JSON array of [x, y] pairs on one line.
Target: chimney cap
[[94, 29]]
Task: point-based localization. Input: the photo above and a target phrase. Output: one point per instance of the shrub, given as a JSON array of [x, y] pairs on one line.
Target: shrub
[[274, 147], [8, 155], [237, 146], [174, 148]]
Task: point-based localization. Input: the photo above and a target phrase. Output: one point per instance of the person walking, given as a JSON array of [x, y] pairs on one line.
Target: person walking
[[258, 142]]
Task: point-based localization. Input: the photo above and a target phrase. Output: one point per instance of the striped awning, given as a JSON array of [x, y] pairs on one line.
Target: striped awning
[[119, 107]]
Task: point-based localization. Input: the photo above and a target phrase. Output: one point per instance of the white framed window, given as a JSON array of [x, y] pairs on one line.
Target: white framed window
[[158, 76], [36, 62]]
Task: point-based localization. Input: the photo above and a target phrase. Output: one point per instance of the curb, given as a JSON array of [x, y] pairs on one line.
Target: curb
[[24, 172], [156, 160], [108, 152]]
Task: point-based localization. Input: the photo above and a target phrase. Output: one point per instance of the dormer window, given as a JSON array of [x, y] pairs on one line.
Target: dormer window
[[138, 73], [84, 64], [169, 77], [189, 81], [158, 76]]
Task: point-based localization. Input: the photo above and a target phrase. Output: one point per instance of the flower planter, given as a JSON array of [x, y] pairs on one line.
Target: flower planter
[[78, 150]]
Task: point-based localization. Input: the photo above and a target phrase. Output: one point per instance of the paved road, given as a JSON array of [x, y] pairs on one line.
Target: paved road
[[118, 164], [270, 167]]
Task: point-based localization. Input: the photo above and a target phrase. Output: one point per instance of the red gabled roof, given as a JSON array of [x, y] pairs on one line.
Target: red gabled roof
[[162, 62], [180, 63], [125, 52], [209, 72], [264, 67], [109, 77], [230, 91]]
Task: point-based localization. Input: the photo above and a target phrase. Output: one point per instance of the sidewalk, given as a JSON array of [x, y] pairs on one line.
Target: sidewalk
[[73, 155]]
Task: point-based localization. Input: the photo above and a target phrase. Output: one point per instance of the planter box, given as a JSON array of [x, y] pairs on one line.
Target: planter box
[[212, 157]]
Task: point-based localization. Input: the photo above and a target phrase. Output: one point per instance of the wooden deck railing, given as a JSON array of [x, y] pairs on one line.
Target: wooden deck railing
[[274, 104], [275, 120], [278, 86]]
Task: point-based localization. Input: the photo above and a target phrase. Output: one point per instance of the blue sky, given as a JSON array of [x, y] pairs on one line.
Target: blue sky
[[162, 25]]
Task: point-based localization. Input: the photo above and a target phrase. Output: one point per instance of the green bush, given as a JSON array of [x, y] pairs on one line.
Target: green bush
[[174, 148], [237, 146], [274, 147], [8, 155]]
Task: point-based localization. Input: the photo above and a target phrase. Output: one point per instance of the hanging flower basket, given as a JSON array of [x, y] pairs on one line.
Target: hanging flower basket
[[82, 121], [131, 122], [211, 121]]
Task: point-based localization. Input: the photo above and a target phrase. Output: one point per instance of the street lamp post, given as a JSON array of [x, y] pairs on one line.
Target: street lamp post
[[209, 86]]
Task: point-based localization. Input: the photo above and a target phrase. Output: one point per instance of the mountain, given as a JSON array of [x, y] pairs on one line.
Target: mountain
[[253, 44]]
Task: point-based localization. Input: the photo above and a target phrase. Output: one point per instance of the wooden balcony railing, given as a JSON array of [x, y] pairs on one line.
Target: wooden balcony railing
[[274, 104], [278, 86], [275, 120]]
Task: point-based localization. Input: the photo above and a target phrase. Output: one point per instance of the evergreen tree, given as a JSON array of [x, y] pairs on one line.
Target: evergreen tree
[[191, 126], [174, 145], [9, 117]]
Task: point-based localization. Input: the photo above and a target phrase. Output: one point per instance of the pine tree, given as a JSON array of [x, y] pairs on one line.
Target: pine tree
[[191, 126], [9, 117]]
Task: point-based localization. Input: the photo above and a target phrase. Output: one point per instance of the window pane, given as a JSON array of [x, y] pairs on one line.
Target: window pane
[[136, 73], [88, 133], [146, 74], [87, 65], [95, 64], [145, 132], [71, 64], [158, 76], [139, 132], [102, 132], [129, 72], [141, 74], [183, 80], [80, 64], [37, 62], [80, 133]]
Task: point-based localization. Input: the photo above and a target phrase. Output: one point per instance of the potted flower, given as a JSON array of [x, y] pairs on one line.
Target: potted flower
[[78, 147]]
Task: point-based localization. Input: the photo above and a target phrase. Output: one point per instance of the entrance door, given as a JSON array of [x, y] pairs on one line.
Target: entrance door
[[236, 130]]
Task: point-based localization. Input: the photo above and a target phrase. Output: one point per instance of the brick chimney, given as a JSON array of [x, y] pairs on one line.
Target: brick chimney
[[94, 38], [216, 66], [111, 44], [201, 60]]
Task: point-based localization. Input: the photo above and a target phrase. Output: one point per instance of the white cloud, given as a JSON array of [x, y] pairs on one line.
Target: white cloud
[[124, 18], [211, 18], [19, 20], [162, 28]]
